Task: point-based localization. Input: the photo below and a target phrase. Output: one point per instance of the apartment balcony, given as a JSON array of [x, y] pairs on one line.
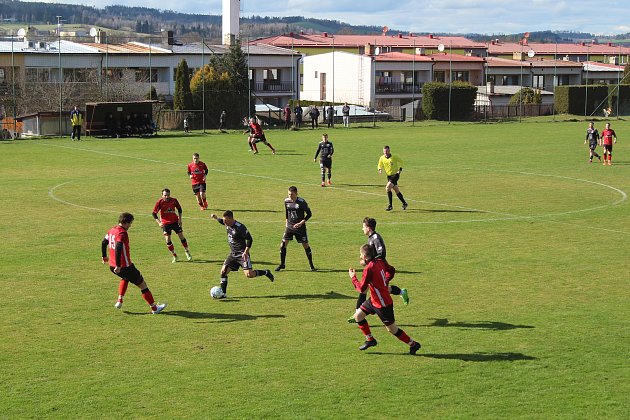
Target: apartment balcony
[[397, 88], [271, 86]]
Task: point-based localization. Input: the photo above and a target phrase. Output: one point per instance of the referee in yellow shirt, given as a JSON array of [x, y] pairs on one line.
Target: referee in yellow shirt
[[392, 165]]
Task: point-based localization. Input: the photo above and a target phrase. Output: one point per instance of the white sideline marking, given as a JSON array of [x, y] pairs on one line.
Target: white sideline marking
[[506, 216]]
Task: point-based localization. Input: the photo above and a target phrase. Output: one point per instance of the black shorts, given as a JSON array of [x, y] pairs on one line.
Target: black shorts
[[393, 178], [592, 145], [235, 262], [386, 314], [300, 234], [260, 138], [325, 163], [608, 148], [167, 229], [131, 274], [199, 188]]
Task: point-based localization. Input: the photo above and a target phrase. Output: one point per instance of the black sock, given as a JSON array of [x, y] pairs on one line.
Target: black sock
[[224, 283], [260, 272], [283, 255], [309, 255], [400, 197], [395, 290], [361, 299], [389, 197]]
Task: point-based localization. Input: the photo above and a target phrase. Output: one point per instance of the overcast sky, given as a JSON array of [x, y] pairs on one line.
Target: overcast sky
[[453, 16]]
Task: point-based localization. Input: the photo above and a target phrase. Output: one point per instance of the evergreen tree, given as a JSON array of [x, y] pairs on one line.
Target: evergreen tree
[[183, 96], [211, 89]]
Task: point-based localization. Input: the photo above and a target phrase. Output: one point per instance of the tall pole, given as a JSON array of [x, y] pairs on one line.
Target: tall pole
[[249, 83], [60, 75], [13, 85], [586, 84], [333, 81], [555, 80], [618, 81], [520, 91], [413, 85], [150, 72], [106, 68], [203, 86], [450, 76]]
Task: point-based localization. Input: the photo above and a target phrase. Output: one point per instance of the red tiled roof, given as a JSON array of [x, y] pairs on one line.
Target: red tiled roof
[[408, 40], [535, 62], [127, 48], [560, 49]]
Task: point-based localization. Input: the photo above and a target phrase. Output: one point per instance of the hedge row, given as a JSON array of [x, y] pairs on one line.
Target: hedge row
[[435, 100]]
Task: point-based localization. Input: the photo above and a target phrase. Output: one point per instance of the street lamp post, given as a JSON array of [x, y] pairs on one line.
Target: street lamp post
[[450, 76]]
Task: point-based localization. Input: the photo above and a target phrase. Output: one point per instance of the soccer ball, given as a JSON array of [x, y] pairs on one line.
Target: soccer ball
[[216, 292]]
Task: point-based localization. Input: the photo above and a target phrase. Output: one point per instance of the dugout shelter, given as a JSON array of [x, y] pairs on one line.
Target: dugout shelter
[[97, 112]]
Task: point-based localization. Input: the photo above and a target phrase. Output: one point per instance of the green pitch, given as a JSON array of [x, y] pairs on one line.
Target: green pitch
[[514, 250]]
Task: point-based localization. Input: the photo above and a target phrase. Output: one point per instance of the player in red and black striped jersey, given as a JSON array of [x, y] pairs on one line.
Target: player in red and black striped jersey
[[170, 220], [240, 241], [607, 142], [197, 171], [257, 135], [380, 303], [119, 259], [297, 213], [375, 240]]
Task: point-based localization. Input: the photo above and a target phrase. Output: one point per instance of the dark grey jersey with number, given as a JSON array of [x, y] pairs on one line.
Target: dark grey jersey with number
[[296, 212], [376, 241], [325, 151], [238, 237]]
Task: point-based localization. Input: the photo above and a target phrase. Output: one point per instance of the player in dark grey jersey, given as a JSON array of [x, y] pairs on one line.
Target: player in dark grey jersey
[[375, 240], [297, 213], [592, 136], [240, 241], [325, 150]]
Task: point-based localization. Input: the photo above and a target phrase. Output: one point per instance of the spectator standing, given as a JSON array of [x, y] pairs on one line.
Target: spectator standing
[[298, 115], [330, 116], [222, 118], [76, 119], [314, 113], [345, 111], [286, 115]]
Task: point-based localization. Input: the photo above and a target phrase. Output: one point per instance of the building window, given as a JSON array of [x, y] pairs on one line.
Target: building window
[[271, 74], [439, 76], [142, 75], [78, 75], [562, 80], [510, 81], [460, 76], [538, 82], [38, 75]]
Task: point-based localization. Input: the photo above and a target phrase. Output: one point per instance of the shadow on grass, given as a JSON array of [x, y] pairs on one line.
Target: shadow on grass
[[488, 325], [472, 357], [218, 317], [202, 261], [327, 295], [411, 210]]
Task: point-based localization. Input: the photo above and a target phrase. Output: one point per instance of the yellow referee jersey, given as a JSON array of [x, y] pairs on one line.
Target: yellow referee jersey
[[390, 164]]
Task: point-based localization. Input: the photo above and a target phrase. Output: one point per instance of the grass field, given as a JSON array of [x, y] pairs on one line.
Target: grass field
[[514, 250]]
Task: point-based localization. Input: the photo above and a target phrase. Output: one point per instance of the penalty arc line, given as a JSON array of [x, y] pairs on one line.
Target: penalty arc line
[[507, 216]]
